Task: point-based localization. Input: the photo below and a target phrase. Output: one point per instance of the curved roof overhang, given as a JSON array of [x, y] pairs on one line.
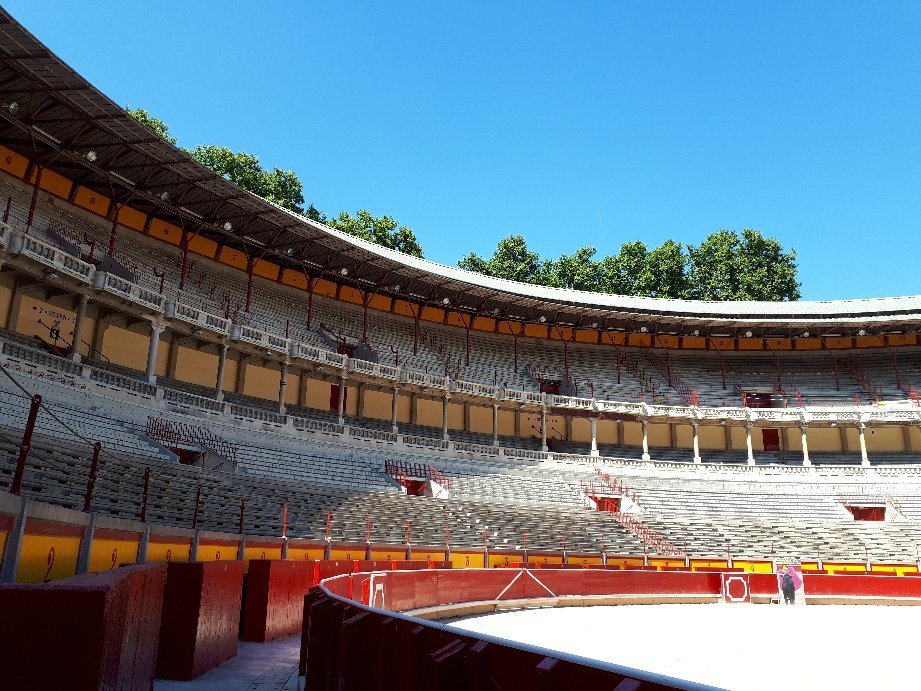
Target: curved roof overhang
[[59, 117]]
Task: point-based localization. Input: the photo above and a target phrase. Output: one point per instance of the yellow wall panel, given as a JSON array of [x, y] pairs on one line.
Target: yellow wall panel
[[166, 231], [293, 278], [131, 218], [110, 554], [45, 558], [166, 552], [56, 184], [535, 330], [93, 201], [467, 560], [203, 246], [234, 258], [13, 163], [217, 552]]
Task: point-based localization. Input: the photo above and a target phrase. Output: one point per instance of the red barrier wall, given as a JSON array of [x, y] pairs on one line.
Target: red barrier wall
[[201, 617], [275, 593], [95, 631]]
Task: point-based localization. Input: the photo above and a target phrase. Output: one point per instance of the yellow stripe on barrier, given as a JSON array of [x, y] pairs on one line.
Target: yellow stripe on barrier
[[45, 558], [165, 552]]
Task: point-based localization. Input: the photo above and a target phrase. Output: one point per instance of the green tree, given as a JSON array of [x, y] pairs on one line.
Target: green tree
[[622, 273], [384, 231], [155, 125], [511, 260], [665, 274], [727, 266], [276, 185], [578, 271]]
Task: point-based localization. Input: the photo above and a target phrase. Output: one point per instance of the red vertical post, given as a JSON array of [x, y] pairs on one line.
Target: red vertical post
[[197, 505], [113, 235], [16, 486], [447, 535], [329, 520], [38, 181], [368, 531], [409, 527], [284, 521], [146, 493], [184, 267], [249, 283], [91, 482], [242, 512]]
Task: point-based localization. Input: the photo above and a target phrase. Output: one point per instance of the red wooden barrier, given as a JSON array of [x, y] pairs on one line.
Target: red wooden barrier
[[94, 631], [201, 617], [275, 593]]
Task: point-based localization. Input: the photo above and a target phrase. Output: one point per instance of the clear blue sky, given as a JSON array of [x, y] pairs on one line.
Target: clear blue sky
[[572, 123]]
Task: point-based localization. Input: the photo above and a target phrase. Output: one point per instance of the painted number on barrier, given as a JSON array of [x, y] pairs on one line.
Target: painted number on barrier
[[217, 555], [47, 577], [114, 557], [466, 561], [506, 561], [262, 556], [169, 554]]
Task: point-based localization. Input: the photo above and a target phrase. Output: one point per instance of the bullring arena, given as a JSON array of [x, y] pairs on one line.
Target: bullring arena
[[227, 428]]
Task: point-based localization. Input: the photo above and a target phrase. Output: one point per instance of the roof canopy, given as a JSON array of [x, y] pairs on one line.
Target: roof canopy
[[59, 117]]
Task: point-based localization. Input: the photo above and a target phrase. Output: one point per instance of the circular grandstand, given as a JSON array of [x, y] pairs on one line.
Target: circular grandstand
[[190, 372]]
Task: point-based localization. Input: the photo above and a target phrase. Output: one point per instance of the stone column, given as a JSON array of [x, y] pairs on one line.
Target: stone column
[[495, 424], [155, 331], [444, 418], [466, 416], [282, 386], [78, 328], [694, 429], [594, 423], [646, 456], [845, 447], [393, 410], [221, 367], [672, 435], [864, 459], [543, 429], [748, 443], [806, 460], [340, 406]]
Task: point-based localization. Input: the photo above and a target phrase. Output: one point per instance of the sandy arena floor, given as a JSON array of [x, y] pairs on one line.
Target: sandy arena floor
[[745, 647]]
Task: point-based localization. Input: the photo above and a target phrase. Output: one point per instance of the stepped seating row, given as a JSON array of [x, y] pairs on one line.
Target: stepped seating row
[[280, 310]]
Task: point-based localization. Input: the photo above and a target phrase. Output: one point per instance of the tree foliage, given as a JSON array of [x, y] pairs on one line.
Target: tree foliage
[[384, 231], [726, 266], [283, 187], [155, 125], [276, 185]]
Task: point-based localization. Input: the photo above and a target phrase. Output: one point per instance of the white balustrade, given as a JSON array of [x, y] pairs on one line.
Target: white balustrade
[[110, 283], [193, 315]]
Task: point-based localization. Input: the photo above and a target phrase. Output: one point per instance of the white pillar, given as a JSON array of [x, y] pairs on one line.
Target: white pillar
[[155, 331], [282, 386], [748, 443], [444, 418], [340, 406], [594, 424], [78, 327], [495, 424], [806, 460], [543, 429], [694, 427], [646, 456], [393, 410], [864, 459], [221, 366]]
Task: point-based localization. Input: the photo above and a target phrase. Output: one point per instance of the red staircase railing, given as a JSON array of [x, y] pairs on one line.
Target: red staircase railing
[[649, 537], [172, 433]]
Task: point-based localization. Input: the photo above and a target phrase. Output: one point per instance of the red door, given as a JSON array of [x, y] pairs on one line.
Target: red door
[[771, 439], [334, 398]]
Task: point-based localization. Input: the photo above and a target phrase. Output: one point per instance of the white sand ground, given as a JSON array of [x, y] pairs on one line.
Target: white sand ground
[[740, 646]]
